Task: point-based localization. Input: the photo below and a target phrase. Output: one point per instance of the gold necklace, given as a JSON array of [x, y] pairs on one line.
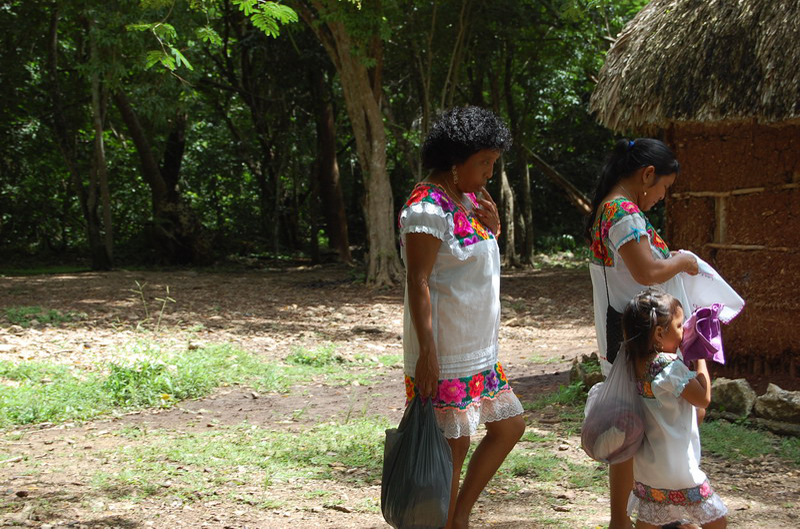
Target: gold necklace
[[627, 193]]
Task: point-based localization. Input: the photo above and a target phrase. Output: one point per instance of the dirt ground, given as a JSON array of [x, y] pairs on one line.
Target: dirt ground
[[547, 321]]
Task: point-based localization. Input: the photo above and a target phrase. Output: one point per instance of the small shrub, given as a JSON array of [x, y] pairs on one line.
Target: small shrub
[[319, 357]]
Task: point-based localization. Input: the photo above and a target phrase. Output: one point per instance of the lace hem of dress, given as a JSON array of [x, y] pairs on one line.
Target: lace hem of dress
[[461, 252], [458, 423], [657, 513]]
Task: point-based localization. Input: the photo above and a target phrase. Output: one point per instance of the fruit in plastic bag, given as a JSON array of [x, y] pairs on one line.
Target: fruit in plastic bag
[[613, 427], [417, 471]]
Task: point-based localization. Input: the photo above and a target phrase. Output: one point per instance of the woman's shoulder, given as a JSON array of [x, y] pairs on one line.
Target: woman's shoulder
[[430, 193], [618, 208]]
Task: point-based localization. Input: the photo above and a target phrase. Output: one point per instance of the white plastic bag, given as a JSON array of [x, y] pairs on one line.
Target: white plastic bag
[[613, 427]]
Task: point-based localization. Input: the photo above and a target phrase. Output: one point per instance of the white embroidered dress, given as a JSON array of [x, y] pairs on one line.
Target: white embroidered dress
[[464, 289], [668, 482]]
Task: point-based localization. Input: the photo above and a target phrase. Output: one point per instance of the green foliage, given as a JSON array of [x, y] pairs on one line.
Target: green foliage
[[25, 316], [267, 16]]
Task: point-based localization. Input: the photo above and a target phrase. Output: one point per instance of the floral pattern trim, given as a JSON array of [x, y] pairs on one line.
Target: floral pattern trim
[[613, 211], [645, 384], [684, 497], [461, 393], [467, 229]]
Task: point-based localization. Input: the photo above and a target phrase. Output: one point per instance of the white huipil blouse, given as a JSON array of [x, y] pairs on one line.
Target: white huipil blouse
[[464, 289], [619, 223]]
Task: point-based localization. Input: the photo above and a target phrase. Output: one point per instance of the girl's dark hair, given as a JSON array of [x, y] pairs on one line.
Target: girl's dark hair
[[626, 158], [649, 308], [459, 133]]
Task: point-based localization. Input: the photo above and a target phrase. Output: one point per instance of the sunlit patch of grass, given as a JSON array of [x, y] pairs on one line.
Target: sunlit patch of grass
[[249, 457], [144, 376], [320, 356]]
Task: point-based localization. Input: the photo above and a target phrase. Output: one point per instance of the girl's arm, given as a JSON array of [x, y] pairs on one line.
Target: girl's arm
[[698, 390], [421, 251], [647, 270]]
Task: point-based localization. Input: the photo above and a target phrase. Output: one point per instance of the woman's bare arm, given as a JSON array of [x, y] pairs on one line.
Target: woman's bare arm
[[647, 270], [421, 251]]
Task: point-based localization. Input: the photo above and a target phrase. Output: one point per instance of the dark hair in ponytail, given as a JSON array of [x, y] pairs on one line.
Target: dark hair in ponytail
[[649, 308], [626, 158]]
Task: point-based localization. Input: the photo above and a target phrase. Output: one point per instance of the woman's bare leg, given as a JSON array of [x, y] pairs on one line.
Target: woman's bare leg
[[459, 448], [501, 436], [620, 479]]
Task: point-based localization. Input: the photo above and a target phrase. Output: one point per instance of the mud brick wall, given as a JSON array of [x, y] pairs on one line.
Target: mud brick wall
[[736, 203]]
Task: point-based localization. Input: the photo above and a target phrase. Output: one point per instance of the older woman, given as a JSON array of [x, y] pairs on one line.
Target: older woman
[[627, 255], [448, 230]]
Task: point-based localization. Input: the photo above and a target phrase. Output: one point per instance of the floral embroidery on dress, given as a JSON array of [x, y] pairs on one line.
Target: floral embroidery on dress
[[467, 228], [613, 211], [645, 384], [460, 393], [687, 496]]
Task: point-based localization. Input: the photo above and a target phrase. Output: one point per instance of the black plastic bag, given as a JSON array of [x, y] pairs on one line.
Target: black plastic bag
[[417, 471], [613, 333]]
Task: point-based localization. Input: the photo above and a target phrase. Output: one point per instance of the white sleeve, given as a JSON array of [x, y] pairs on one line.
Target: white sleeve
[[625, 229], [672, 380], [423, 217]]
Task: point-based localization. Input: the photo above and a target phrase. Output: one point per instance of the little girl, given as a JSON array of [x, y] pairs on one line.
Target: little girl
[[668, 482]]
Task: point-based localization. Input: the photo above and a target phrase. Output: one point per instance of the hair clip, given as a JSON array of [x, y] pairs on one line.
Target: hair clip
[[630, 144]]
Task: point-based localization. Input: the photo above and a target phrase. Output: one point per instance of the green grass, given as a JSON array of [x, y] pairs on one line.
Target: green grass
[[321, 356], [570, 396], [736, 442], [544, 466], [35, 392], [24, 316], [244, 461]]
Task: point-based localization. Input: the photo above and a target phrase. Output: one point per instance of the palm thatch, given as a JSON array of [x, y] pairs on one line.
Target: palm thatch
[[703, 61]]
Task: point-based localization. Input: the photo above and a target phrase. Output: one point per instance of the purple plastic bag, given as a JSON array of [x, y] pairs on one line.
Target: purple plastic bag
[[702, 336]]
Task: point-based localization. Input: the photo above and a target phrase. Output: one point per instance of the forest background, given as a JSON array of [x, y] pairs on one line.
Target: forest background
[[195, 132]]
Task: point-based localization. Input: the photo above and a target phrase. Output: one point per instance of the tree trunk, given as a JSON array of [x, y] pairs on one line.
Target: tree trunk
[[66, 142], [507, 217], [527, 208], [327, 172], [523, 172], [177, 232], [100, 169], [362, 95]]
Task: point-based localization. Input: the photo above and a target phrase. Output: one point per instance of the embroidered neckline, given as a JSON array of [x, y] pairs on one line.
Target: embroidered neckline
[[467, 229], [656, 366]]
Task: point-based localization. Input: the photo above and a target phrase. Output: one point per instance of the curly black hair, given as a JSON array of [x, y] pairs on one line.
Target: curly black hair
[[459, 133]]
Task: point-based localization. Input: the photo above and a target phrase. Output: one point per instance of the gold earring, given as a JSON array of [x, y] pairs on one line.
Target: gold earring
[[455, 175]]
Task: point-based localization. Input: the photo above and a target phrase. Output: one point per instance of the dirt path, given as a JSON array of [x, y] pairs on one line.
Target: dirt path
[[51, 476]]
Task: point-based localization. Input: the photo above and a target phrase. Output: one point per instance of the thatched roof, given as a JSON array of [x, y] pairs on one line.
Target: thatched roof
[[702, 61]]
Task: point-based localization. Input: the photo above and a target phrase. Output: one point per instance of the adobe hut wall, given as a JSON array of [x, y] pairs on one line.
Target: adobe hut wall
[[737, 205]]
